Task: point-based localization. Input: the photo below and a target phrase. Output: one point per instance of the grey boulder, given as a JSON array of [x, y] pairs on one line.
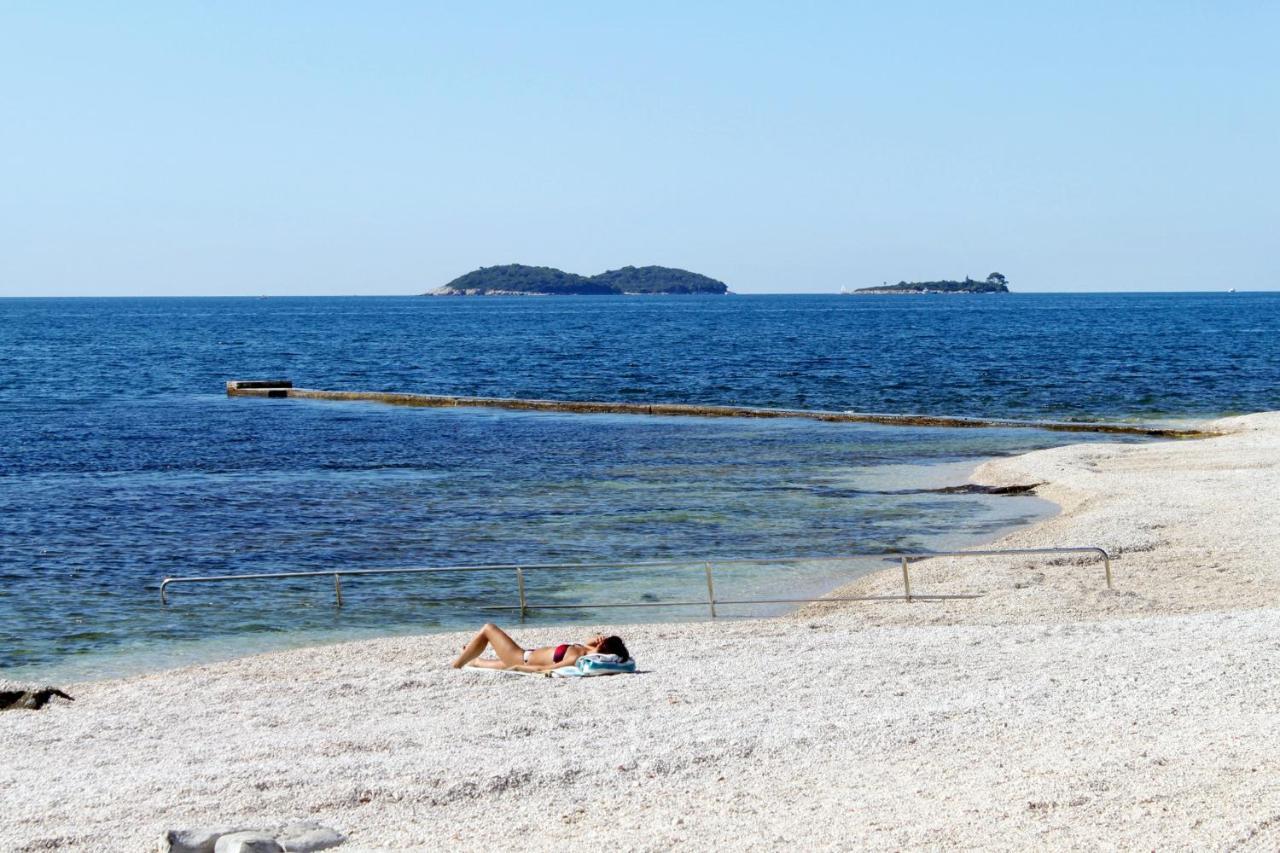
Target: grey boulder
[[195, 840], [248, 842], [307, 837]]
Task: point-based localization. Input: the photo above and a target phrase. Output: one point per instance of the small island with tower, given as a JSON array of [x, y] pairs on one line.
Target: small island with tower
[[995, 283]]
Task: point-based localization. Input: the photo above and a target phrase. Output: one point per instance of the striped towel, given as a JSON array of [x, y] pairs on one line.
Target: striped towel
[[588, 665]]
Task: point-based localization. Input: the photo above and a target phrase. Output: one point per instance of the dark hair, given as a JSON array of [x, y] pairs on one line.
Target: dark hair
[[614, 646]]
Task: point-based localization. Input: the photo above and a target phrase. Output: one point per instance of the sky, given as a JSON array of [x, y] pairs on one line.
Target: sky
[[184, 148]]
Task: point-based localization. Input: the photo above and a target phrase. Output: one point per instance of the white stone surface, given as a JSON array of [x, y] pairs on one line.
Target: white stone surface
[[1048, 714]]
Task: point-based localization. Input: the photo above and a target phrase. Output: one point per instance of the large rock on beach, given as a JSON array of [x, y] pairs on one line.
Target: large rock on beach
[[248, 842], [302, 836], [15, 697], [306, 837], [195, 840]]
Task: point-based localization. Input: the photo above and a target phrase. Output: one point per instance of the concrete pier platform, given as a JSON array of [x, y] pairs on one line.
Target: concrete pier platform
[[284, 388]]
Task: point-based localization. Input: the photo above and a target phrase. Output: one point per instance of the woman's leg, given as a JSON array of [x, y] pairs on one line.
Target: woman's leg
[[487, 663], [507, 650], [472, 650]]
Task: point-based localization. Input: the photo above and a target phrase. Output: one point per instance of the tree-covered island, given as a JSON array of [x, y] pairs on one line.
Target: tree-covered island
[[522, 280], [995, 283]]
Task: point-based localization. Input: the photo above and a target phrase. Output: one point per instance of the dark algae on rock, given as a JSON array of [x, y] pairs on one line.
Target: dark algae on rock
[[522, 280], [28, 698]]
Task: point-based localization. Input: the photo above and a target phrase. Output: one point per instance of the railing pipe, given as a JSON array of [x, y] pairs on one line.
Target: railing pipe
[[524, 607], [588, 605], [1005, 552], [711, 591], [904, 558]]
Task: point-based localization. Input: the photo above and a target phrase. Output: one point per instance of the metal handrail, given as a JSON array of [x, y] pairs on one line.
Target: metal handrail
[[1088, 549], [520, 568]]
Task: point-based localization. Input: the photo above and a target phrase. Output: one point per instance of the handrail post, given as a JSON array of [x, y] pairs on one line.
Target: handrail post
[[163, 600], [524, 607], [337, 588], [1106, 561], [906, 578], [711, 591]]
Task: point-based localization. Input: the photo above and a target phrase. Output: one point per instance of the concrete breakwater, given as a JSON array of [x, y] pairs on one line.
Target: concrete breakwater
[[276, 388]]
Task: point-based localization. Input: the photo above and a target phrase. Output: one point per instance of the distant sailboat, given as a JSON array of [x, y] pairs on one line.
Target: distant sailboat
[[845, 291]]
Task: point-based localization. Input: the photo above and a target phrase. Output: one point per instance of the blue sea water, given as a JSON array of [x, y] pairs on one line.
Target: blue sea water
[[122, 460]]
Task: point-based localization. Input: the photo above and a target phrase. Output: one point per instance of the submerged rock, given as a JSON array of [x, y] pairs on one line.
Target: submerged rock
[[966, 489], [974, 489]]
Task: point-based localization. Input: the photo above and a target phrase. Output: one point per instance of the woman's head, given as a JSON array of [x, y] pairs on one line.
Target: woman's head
[[602, 645]]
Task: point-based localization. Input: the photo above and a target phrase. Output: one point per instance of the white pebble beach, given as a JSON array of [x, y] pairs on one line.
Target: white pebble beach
[[1047, 713]]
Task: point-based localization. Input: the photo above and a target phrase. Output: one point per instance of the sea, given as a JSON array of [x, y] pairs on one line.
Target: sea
[[122, 461]]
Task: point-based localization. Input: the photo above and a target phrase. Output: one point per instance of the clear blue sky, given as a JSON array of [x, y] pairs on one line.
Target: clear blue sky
[[380, 148]]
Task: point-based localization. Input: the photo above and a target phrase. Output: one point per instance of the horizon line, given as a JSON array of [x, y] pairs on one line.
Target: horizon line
[[1235, 291]]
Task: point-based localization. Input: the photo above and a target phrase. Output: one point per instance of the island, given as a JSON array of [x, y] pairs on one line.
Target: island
[[995, 283], [523, 280], [661, 280]]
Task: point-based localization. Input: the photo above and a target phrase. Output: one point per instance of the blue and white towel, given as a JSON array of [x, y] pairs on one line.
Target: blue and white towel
[[596, 664]]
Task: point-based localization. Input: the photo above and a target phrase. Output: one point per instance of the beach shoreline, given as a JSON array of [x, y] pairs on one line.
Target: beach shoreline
[[1048, 712]]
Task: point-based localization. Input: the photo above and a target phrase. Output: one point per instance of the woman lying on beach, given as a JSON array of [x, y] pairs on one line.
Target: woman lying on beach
[[512, 656]]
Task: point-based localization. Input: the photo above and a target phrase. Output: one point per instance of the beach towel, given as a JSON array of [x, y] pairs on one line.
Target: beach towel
[[586, 666], [589, 665]]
